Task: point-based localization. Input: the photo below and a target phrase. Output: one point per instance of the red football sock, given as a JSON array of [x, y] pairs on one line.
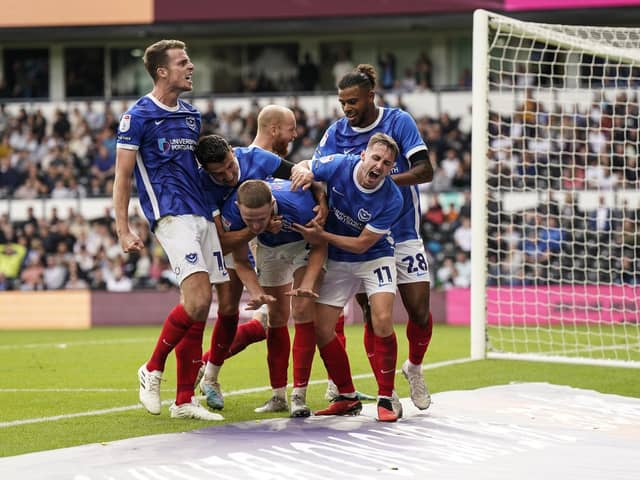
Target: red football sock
[[385, 358], [340, 335], [224, 332], [206, 356], [370, 347], [336, 362], [246, 334], [175, 327], [278, 347], [188, 362], [304, 347], [419, 338], [340, 330]]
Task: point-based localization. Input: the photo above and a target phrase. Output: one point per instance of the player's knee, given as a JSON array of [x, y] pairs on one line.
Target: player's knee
[[198, 305], [420, 316]]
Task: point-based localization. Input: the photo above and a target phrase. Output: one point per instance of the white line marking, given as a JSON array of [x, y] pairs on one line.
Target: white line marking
[[244, 391]]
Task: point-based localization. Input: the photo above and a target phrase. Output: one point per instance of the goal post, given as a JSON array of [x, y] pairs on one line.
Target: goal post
[[555, 192]]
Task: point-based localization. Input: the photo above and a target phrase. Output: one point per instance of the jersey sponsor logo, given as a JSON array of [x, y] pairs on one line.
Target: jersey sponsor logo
[[337, 192], [192, 258], [125, 123], [326, 159], [158, 122], [348, 150], [364, 215], [191, 123], [347, 220], [163, 145]]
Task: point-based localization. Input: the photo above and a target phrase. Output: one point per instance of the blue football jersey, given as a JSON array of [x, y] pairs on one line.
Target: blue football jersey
[[342, 138], [353, 208], [294, 207], [166, 169], [254, 163]]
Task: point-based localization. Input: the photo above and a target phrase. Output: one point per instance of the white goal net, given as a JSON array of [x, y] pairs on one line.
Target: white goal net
[[555, 192]]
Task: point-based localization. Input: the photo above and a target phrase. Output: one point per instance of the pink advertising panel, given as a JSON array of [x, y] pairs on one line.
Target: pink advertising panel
[[515, 5], [549, 305]]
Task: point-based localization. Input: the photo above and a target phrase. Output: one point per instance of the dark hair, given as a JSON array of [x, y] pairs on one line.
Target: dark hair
[[155, 56], [212, 149], [254, 194], [364, 75]]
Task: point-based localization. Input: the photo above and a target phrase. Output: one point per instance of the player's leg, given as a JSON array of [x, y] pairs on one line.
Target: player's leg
[[224, 331], [278, 348], [414, 287], [379, 281], [304, 345], [184, 239], [338, 286]]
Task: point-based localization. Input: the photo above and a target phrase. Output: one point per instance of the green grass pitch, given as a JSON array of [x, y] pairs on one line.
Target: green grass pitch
[[64, 388]]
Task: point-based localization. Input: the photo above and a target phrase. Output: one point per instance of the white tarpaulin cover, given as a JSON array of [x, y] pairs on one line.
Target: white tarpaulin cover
[[526, 431]]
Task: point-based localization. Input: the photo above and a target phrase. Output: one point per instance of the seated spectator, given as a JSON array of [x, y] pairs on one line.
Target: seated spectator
[[55, 273], [75, 282]]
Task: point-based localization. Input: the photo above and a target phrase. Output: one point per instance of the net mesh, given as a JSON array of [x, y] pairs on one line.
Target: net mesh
[[564, 203]]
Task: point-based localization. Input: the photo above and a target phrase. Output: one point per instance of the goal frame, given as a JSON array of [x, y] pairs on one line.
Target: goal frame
[[479, 340]]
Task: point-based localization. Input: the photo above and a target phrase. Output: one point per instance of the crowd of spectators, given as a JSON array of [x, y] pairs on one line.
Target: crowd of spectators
[[564, 150]]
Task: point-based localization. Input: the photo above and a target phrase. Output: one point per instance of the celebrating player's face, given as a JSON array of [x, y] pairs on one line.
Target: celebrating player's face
[[257, 219], [180, 70], [357, 105], [286, 132], [227, 172], [377, 163]]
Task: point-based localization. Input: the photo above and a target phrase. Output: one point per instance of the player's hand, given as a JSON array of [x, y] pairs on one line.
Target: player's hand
[[302, 292], [312, 231], [256, 302], [275, 224], [322, 212], [301, 177], [130, 242]]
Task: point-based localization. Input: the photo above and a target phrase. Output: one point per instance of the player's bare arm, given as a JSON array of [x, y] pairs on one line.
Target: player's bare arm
[[247, 276], [312, 232], [322, 208], [421, 171], [232, 240], [125, 163]]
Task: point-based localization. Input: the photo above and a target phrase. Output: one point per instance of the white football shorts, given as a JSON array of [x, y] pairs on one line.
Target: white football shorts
[[275, 265], [344, 279], [192, 245], [411, 262]]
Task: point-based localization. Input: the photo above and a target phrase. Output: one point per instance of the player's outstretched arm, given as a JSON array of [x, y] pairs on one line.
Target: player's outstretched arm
[[314, 233]]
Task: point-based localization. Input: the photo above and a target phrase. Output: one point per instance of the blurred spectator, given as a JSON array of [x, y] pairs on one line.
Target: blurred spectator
[[342, 66], [55, 273], [463, 235], [423, 71], [308, 74], [11, 257], [117, 281], [387, 62]]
